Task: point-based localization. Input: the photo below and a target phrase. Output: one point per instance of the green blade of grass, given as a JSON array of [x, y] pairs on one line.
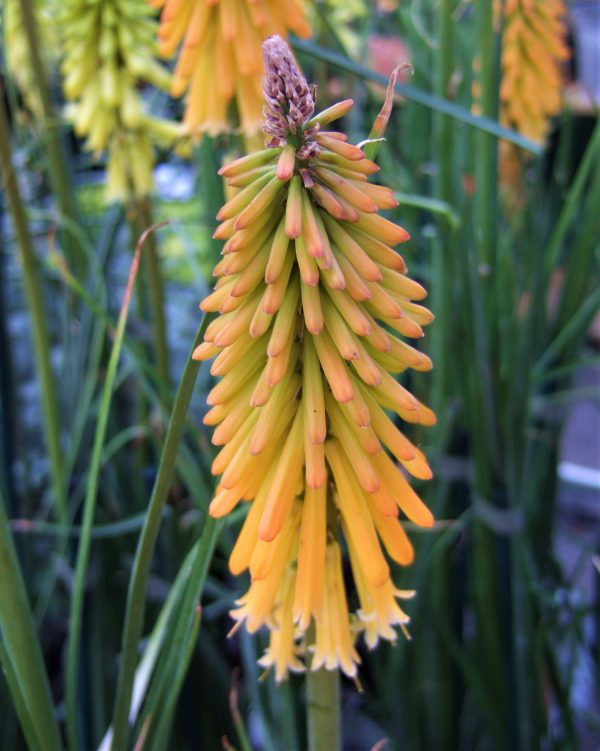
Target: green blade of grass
[[89, 507], [178, 651], [35, 304], [136, 603], [434, 205], [26, 672]]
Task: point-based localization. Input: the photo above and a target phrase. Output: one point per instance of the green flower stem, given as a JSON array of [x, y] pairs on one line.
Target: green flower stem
[[443, 186], [136, 597], [35, 303], [58, 172], [157, 301], [89, 506], [323, 710], [486, 167], [21, 656]]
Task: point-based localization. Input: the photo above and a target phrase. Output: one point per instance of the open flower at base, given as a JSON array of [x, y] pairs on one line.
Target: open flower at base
[[314, 306]]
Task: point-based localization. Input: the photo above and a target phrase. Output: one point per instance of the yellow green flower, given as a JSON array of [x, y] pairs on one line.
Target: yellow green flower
[[108, 52], [314, 306]]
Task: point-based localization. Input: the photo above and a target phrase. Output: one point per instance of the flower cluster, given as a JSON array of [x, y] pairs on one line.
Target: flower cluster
[[533, 50], [313, 302], [220, 58], [108, 51]]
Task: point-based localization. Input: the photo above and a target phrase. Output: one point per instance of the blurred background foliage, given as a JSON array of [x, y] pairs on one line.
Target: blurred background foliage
[[106, 547]]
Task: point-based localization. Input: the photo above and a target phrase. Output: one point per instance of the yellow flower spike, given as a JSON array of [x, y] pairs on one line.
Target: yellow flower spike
[[532, 59], [309, 285], [108, 52], [219, 41]]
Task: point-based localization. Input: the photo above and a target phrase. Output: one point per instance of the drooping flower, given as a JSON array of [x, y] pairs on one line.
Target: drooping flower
[[220, 59], [533, 53], [108, 51], [313, 302]]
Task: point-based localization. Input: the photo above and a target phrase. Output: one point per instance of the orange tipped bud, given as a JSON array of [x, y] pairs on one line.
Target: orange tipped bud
[[286, 163]]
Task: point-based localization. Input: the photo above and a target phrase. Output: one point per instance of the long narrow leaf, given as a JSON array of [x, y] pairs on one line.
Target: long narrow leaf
[[26, 671], [90, 503]]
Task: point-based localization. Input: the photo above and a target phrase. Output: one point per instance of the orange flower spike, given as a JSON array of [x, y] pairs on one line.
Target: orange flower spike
[[309, 283], [219, 41]]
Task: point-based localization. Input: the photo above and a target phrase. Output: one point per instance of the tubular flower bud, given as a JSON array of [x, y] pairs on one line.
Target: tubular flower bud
[[108, 51], [220, 57], [311, 293]]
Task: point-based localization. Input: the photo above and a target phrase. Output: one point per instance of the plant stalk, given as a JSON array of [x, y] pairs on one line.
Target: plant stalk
[[89, 507], [323, 710], [136, 596], [26, 670], [58, 172], [35, 303], [157, 301]]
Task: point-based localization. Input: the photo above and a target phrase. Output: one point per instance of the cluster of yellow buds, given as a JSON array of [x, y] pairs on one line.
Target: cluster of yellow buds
[[108, 52], [312, 297], [533, 51], [16, 46], [220, 58]]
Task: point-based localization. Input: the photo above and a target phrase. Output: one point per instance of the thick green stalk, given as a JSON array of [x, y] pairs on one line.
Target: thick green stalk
[[136, 596], [444, 713], [26, 671], [486, 183], [323, 710], [89, 507], [442, 257], [35, 303], [58, 172]]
